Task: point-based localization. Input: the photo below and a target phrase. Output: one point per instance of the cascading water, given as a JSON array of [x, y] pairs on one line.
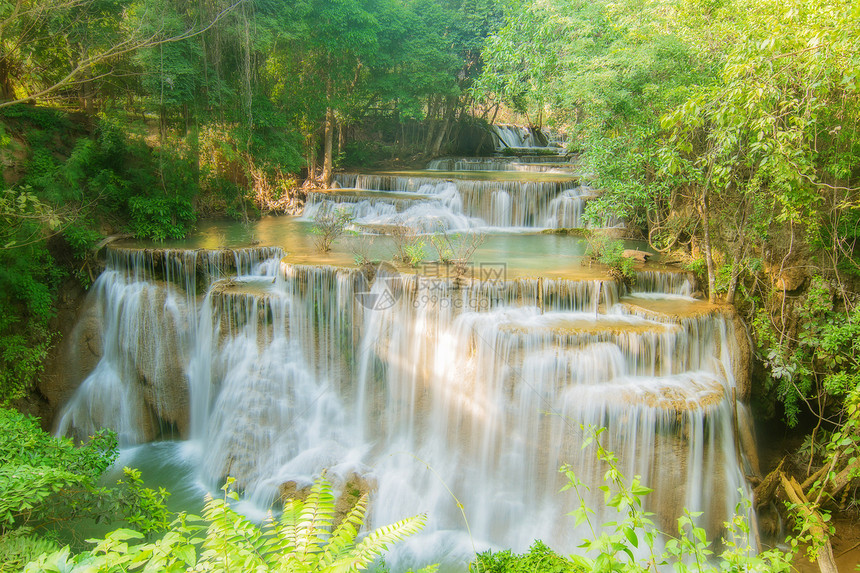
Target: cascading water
[[432, 203], [485, 382], [431, 391], [536, 164], [490, 192]]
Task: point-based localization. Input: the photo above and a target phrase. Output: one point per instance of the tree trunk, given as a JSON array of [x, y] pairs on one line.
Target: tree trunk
[[86, 93], [709, 258], [193, 139], [311, 156], [440, 137], [7, 91], [733, 283], [448, 112], [431, 132], [341, 138], [162, 122], [328, 141]]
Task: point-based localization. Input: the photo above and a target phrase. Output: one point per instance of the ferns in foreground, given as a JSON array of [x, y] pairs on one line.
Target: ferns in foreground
[[306, 538]]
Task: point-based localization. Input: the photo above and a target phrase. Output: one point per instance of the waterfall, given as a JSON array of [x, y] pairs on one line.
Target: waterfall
[[137, 331], [565, 211], [443, 395], [450, 204], [516, 136], [536, 164], [424, 387]]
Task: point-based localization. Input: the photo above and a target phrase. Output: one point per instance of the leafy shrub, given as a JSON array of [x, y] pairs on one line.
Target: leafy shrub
[[822, 361], [304, 539], [610, 252], [613, 545], [415, 253], [21, 546], [539, 559], [43, 117], [329, 226], [48, 479], [28, 279], [160, 218]]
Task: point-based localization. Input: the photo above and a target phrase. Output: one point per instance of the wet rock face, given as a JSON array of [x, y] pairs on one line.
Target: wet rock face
[[351, 488], [790, 279], [152, 349], [77, 356], [159, 360]]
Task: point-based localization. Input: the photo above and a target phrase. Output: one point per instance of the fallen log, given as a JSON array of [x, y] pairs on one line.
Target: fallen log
[[824, 551], [108, 240], [636, 255], [817, 475], [843, 479], [764, 492]]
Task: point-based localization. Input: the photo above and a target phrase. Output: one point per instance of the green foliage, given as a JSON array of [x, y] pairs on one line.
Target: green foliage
[[161, 218], [539, 559], [306, 538], [821, 362], [21, 546], [610, 252], [44, 118], [28, 279], [328, 227], [49, 479], [616, 544], [414, 253]]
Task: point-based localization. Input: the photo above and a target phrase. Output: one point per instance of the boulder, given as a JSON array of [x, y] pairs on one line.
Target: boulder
[[638, 256], [790, 279]]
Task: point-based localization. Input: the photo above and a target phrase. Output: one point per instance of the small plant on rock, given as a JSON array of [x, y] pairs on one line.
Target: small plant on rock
[[328, 227], [610, 252]]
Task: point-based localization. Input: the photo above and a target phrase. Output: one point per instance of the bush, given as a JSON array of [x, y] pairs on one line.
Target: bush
[[610, 252], [304, 539], [539, 559], [48, 479], [328, 227]]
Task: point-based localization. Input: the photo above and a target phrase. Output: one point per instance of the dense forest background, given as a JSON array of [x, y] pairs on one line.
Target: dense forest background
[[723, 131]]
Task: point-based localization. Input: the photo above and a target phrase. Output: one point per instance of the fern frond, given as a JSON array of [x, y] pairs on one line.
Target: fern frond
[[314, 525], [376, 542], [231, 539], [286, 528], [342, 541]]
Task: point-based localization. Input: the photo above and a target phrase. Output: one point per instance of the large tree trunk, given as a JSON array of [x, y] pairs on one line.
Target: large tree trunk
[[709, 257], [328, 144], [440, 137], [341, 139], [86, 88], [7, 91], [448, 112]]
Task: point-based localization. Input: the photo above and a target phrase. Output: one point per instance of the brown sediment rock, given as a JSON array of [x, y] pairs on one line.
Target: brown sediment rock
[[352, 489], [638, 256], [790, 279]]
